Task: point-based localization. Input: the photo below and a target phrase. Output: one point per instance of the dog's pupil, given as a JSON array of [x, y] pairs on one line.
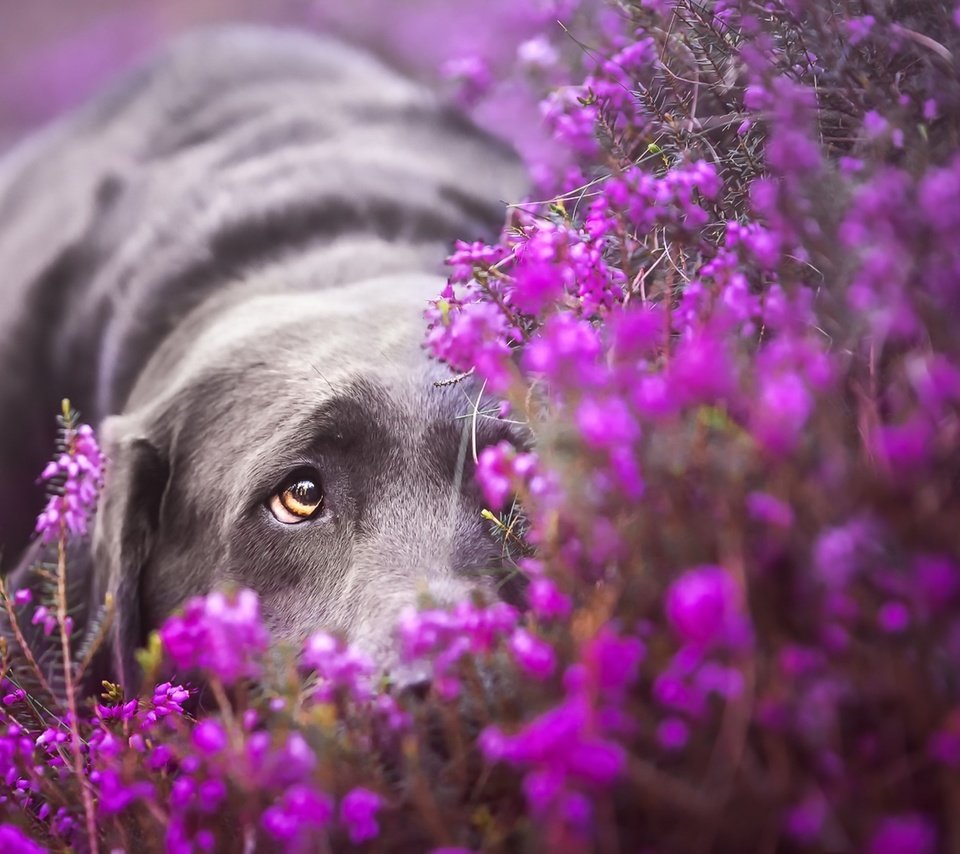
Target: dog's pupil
[[305, 492]]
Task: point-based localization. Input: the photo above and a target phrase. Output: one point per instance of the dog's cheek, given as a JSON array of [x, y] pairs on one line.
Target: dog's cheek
[[298, 574]]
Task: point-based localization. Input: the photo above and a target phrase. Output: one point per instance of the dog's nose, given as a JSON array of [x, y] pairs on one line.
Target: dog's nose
[[415, 691], [411, 680]]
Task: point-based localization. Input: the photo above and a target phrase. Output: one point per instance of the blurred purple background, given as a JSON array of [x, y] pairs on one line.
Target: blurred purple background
[[54, 53]]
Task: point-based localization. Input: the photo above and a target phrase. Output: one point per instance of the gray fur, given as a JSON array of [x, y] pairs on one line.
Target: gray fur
[[223, 262]]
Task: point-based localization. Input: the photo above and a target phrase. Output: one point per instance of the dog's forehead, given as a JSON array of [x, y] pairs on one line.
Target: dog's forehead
[[269, 376]]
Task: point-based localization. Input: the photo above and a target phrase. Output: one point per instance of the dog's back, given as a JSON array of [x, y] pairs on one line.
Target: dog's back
[[235, 150]]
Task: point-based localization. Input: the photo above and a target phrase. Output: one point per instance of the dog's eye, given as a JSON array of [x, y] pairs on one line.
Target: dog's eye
[[298, 498]]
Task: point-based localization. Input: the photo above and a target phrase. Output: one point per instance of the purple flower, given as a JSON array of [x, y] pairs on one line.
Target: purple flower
[[944, 745], [472, 76], [840, 553], [211, 794], [938, 581], [167, 700], [893, 617], [700, 604], [449, 635], [392, 716], [558, 748], [467, 256], [77, 474], [118, 712], [783, 406], [13, 839], [904, 834], [220, 634], [566, 349], [290, 764], [612, 663], [534, 655], [673, 734], [301, 809], [472, 336], [209, 736], [702, 372], [606, 423], [358, 812], [338, 668], [859, 28], [115, 795], [546, 600], [805, 821], [13, 697], [766, 508], [576, 810], [495, 473], [44, 615]]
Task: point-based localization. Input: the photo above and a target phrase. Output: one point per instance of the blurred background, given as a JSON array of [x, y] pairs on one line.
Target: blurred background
[[53, 53]]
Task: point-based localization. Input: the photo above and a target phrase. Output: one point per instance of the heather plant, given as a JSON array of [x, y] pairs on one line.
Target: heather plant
[[729, 332]]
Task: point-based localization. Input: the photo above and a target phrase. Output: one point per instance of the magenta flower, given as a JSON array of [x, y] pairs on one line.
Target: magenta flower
[[805, 821], [74, 479], [700, 605], [673, 734], [467, 256], [768, 509], [534, 655], [13, 839], [611, 663], [547, 601], [290, 763], [944, 744], [209, 736], [606, 423], [358, 812], [338, 667], [115, 794], [47, 617], [904, 834], [471, 75], [302, 809], [119, 712], [447, 636], [219, 634], [558, 750], [495, 473]]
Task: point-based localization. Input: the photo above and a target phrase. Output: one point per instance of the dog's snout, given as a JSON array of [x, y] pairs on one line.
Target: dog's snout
[[415, 691]]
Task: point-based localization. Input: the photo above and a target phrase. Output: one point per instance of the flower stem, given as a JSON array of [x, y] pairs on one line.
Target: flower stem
[[22, 641], [69, 688]]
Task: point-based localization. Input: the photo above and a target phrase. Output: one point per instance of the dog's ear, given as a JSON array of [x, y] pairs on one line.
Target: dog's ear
[[127, 521]]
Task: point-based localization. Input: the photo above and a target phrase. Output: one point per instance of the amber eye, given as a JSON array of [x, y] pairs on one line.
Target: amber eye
[[299, 497]]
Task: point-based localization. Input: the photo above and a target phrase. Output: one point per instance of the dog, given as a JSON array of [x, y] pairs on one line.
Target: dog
[[223, 261]]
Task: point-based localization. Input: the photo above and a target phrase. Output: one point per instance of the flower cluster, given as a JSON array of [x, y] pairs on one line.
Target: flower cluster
[[217, 633], [73, 479], [449, 636]]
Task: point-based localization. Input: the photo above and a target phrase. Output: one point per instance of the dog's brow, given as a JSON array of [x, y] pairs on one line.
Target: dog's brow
[[357, 409], [341, 417]]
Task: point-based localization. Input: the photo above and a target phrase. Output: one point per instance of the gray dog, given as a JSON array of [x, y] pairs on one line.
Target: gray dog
[[224, 262]]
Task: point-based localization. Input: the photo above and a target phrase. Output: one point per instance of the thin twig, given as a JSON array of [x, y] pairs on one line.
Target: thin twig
[[22, 641], [75, 740]]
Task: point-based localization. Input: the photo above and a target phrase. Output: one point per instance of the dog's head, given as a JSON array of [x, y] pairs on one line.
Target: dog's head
[[298, 445]]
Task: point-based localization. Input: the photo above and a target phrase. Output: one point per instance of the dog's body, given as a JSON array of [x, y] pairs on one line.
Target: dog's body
[[224, 263]]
